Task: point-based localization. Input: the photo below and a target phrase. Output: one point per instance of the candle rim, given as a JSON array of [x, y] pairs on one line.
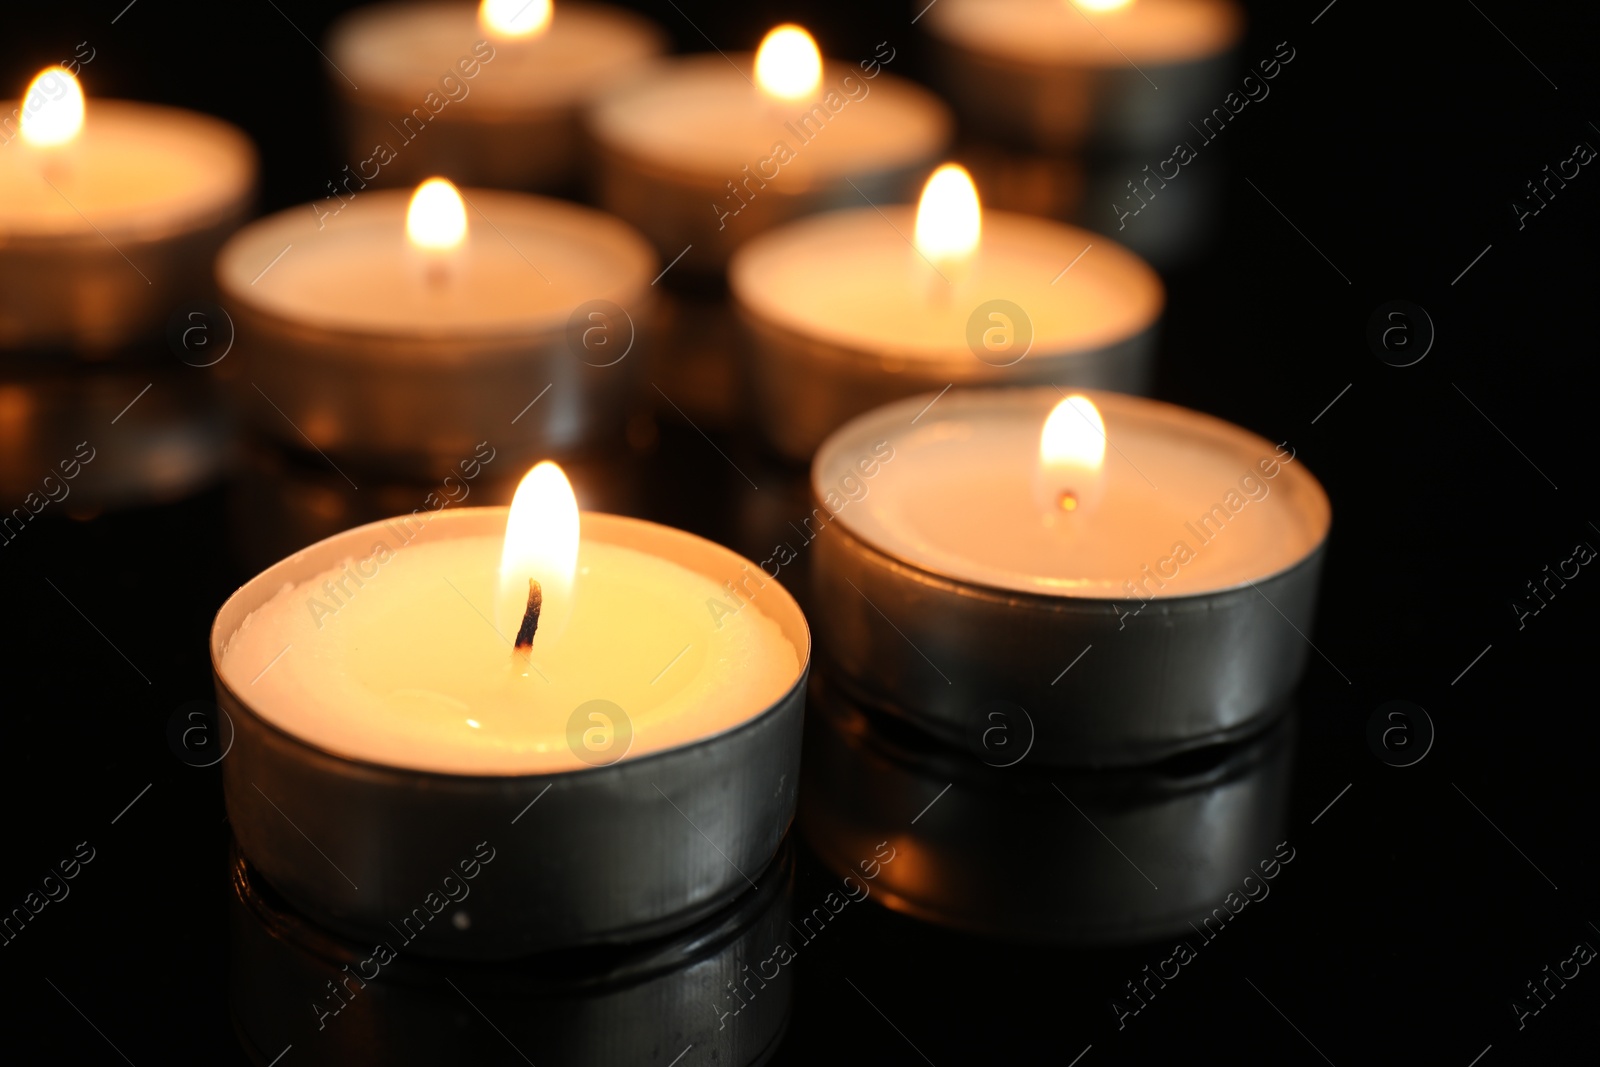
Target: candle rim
[[327, 553], [848, 436], [746, 265], [348, 36], [227, 199], [646, 81], [953, 24], [632, 260]]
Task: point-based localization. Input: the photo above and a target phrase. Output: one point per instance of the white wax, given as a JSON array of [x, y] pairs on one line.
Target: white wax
[[1059, 32], [526, 263], [405, 669], [401, 51], [703, 115], [853, 279], [135, 171], [959, 498]]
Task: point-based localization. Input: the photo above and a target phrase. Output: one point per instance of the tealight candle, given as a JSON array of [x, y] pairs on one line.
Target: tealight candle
[[1138, 577], [404, 330], [706, 151], [110, 213], [1058, 75], [487, 94], [853, 309], [404, 686]]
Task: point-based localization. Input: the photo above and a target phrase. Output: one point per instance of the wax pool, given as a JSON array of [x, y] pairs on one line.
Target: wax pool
[[962, 498], [406, 669]]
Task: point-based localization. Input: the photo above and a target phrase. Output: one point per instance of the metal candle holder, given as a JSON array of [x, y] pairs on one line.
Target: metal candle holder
[[414, 403], [1072, 106], [610, 854], [83, 295], [1179, 673]]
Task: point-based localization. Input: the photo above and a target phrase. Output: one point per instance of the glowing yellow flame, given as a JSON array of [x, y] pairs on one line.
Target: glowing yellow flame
[[788, 64], [541, 544], [949, 221], [1101, 5], [437, 217], [52, 108], [1072, 455], [511, 19]]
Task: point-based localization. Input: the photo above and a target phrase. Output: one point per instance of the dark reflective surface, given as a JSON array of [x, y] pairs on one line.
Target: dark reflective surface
[[292, 984], [960, 821], [1422, 899]]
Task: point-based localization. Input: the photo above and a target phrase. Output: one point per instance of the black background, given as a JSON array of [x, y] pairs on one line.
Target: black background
[[1396, 143]]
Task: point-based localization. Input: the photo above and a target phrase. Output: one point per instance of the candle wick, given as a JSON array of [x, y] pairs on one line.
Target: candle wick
[[530, 617]]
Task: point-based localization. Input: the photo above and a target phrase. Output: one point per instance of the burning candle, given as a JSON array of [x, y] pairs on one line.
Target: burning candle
[[425, 665], [705, 152], [1059, 75], [1020, 530], [853, 309], [401, 330], [490, 96], [405, 685], [110, 212]]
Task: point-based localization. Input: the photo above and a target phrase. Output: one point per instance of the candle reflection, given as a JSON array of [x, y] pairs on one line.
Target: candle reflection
[[338, 1001], [1006, 850]]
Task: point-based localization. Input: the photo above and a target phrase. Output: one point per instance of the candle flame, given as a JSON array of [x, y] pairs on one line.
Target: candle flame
[[52, 108], [514, 19], [437, 217], [788, 64], [949, 220], [1072, 455], [1101, 5], [541, 544]]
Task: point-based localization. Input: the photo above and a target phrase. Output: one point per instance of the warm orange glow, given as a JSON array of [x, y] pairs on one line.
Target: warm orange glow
[[514, 19], [541, 544], [437, 217], [1101, 5], [949, 221], [52, 108], [1072, 456], [788, 64]]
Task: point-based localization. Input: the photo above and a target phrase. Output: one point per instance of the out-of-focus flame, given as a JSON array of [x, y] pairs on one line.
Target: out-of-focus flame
[[1101, 5], [437, 217], [52, 108], [515, 19], [788, 64], [949, 220]]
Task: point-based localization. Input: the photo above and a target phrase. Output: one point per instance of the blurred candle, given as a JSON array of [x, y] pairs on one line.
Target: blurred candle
[[853, 309], [487, 96], [109, 214], [407, 328]]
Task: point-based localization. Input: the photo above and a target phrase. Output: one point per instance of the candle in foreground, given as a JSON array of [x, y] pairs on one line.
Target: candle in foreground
[[488, 94], [542, 687], [704, 152], [418, 666], [1019, 528], [404, 329], [857, 308], [1060, 75], [110, 212]]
